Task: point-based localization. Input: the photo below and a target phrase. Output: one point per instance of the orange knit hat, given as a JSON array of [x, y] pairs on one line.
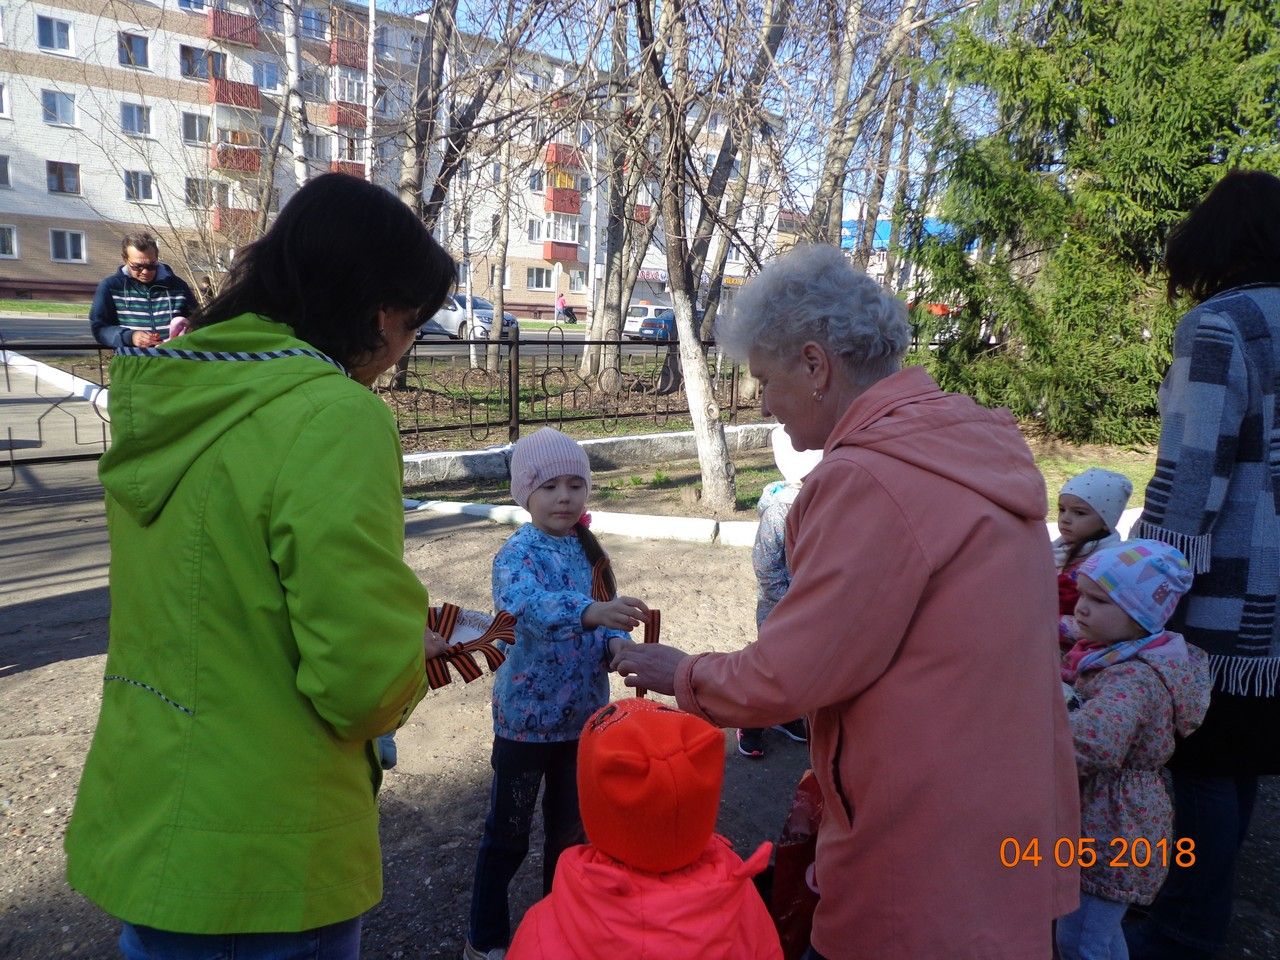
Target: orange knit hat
[[649, 780]]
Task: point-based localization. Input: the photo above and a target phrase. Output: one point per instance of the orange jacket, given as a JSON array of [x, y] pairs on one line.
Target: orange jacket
[[601, 909], [919, 636]]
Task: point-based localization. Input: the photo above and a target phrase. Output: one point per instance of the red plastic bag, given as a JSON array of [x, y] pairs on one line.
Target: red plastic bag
[[792, 901]]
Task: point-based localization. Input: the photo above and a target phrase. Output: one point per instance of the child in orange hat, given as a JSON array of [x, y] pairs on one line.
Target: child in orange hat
[[655, 879]]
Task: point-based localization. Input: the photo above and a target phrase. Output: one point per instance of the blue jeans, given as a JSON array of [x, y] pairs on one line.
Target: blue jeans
[[812, 954], [387, 750], [1092, 931], [338, 941], [518, 770], [1190, 916]]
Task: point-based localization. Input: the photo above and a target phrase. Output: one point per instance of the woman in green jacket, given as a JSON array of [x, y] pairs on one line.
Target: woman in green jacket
[[264, 625]]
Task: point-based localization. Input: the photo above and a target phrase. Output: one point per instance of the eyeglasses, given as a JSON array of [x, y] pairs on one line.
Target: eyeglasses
[[143, 267]]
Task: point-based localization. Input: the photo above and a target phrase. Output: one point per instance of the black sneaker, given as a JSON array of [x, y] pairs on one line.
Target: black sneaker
[[751, 743], [797, 730]]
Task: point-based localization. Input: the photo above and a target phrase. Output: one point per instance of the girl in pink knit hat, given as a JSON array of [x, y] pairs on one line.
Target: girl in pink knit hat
[[554, 576]]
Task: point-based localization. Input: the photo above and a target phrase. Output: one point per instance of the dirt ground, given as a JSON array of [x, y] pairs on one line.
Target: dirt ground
[[433, 803]]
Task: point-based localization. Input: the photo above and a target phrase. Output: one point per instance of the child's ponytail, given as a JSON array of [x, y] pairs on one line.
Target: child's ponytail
[[601, 568]]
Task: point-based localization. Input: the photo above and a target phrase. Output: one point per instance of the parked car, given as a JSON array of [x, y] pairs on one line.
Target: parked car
[[451, 320], [637, 314], [662, 326]]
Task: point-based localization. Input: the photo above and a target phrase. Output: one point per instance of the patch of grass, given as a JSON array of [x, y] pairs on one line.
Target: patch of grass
[[635, 481], [661, 479], [80, 309]]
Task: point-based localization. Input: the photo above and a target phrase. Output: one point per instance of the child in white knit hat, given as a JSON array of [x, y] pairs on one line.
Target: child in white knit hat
[[554, 577], [1089, 509]]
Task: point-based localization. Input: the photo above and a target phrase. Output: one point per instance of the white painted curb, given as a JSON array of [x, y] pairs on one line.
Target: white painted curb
[[81, 389]]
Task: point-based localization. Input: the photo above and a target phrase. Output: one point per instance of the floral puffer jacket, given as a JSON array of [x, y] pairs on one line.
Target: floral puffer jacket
[[1124, 733]]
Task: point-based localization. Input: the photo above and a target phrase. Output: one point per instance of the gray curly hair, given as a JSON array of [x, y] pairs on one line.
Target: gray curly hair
[[814, 293]]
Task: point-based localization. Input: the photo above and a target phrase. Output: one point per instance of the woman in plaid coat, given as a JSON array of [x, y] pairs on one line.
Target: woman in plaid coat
[[1216, 497]]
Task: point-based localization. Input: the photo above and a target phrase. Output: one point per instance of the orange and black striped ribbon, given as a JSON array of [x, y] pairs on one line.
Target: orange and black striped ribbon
[[600, 592], [443, 619]]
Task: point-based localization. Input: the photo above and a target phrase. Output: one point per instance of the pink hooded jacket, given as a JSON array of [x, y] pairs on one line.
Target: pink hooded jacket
[[919, 636], [601, 909]]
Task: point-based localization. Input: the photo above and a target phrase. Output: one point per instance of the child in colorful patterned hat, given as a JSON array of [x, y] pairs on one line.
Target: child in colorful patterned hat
[[1137, 685]]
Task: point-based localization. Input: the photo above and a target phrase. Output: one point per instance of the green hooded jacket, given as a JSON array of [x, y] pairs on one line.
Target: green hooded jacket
[[264, 626]]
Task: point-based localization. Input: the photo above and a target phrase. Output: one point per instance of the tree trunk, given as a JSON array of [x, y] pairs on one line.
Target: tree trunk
[[879, 173]]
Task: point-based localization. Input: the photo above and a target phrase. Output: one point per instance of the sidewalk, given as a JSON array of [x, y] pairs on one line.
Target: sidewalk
[[45, 413]]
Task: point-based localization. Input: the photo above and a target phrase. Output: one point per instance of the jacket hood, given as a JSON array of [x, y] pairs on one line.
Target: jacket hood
[[612, 911], [1184, 670], [908, 417], [168, 405]]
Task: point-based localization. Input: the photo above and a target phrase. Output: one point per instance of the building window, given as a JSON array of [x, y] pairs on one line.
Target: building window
[[382, 43], [138, 187], [58, 108], [577, 281], [539, 278], [196, 63], [195, 128], [4, 172], [190, 4], [713, 123], [62, 177], [133, 50], [535, 231], [9, 242], [314, 23], [67, 246], [266, 75], [495, 171], [564, 228], [4, 99], [314, 83], [582, 234], [734, 255], [495, 224], [198, 193], [267, 133], [506, 277], [53, 35], [316, 146], [269, 16], [135, 119], [536, 181], [350, 85], [350, 146]]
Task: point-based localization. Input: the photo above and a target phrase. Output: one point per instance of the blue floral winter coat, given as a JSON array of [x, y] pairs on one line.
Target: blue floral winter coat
[[556, 674]]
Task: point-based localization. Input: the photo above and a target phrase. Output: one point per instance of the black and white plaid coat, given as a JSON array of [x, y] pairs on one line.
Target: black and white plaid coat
[[1217, 483]]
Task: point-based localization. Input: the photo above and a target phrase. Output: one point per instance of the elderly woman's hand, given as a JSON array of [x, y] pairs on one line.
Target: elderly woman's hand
[[650, 665]]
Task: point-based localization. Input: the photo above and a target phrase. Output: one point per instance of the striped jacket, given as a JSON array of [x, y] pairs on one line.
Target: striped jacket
[[1216, 490], [122, 304]]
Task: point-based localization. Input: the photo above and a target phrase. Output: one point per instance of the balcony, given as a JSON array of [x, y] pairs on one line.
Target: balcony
[[563, 200], [563, 155], [234, 94], [232, 28], [642, 213], [348, 53], [343, 114], [233, 222], [352, 168], [554, 250], [230, 158]]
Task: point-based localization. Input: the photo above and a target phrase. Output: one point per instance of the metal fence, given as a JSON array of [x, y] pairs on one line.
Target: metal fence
[[53, 409]]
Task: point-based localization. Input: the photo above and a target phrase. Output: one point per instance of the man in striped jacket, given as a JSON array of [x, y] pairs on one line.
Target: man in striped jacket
[[135, 306]]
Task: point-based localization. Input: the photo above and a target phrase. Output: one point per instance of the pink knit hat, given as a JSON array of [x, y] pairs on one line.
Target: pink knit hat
[[543, 456]]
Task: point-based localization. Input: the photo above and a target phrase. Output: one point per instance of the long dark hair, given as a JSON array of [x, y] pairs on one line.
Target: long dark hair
[[591, 547], [340, 250], [1231, 238], [1079, 545]]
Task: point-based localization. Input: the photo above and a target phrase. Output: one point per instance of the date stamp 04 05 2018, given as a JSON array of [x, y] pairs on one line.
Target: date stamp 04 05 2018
[[1086, 852]]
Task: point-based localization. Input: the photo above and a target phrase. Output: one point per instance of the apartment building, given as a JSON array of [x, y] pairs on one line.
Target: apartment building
[[168, 117]]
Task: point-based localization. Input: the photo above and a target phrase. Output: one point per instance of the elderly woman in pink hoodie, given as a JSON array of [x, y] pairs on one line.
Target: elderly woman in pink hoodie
[[918, 636]]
